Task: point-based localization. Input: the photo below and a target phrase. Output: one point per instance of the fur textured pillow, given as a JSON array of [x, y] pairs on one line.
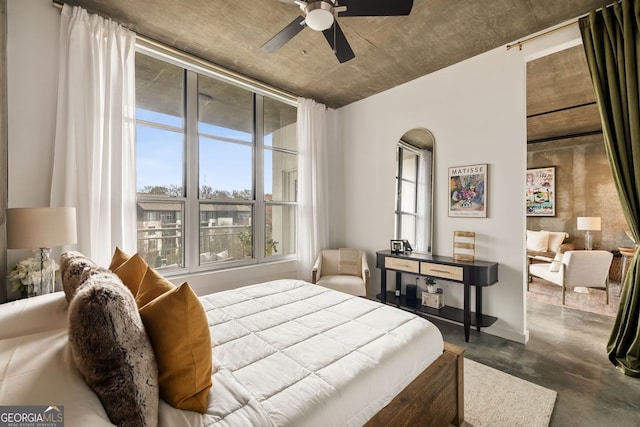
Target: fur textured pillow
[[75, 269], [112, 351]]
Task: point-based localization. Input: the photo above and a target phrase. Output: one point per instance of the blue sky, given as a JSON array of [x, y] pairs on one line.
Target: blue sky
[[224, 165]]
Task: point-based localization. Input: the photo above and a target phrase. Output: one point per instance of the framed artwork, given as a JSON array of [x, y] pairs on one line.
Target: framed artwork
[[468, 191], [540, 192]]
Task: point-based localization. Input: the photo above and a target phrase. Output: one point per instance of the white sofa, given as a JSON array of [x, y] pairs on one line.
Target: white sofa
[[588, 269], [544, 245]]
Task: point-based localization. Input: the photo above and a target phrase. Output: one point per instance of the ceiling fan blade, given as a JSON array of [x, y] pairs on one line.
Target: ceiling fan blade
[[376, 8], [286, 34], [341, 49]]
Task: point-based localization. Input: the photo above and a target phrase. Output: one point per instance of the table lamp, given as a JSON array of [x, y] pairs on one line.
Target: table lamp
[[589, 224], [40, 229]]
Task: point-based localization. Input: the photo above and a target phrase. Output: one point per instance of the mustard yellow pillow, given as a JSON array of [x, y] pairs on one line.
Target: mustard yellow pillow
[[151, 287], [178, 329], [131, 272], [118, 258]]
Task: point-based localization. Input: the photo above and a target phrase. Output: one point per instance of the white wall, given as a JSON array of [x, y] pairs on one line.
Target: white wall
[[32, 51], [336, 181], [477, 112], [32, 80]]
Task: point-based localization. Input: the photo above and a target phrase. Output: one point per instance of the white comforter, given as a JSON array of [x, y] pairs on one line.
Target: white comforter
[[284, 353]]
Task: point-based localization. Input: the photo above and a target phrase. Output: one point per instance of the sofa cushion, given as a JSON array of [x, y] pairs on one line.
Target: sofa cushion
[[555, 240], [112, 351], [537, 241], [541, 270]]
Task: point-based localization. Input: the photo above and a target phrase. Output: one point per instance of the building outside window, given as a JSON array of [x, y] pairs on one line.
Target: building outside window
[[216, 166]]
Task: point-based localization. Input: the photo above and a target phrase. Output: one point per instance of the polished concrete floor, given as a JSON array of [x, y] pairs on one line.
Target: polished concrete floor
[[566, 353]]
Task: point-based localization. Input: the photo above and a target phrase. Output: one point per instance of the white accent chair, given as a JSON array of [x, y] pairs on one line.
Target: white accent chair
[[588, 269], [343, 269]]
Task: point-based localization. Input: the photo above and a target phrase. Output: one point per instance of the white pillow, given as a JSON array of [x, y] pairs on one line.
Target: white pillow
[[555, 239], [537, 240], [556, 263]]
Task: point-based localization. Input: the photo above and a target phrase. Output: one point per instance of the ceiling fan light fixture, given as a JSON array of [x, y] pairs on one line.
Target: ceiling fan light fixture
[[319, 15], [322, 16]]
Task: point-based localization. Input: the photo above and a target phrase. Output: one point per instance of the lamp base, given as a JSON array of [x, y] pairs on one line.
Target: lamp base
[[587, 240], [42, 271]]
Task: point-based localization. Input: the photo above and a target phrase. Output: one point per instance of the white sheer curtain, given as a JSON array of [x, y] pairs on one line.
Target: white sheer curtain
[[313, 210], [94, 165]]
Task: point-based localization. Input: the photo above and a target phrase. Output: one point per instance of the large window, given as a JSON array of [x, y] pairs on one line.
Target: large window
[[216, 170]]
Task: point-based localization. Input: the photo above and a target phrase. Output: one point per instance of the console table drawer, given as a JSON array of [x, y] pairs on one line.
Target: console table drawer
[[402, 264], [443, 271]]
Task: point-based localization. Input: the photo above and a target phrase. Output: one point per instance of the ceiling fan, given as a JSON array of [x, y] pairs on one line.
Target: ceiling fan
[[320, 15]]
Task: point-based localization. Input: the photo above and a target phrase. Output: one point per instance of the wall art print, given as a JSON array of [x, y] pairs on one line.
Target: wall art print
[[540, 192], [468, 191]]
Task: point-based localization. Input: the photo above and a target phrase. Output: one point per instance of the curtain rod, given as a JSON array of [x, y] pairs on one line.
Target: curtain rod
[[224, 72], [562, 27], [528, 39]]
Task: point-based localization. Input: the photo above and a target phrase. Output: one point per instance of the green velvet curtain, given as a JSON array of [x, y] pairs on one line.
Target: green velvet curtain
[[611, 38]]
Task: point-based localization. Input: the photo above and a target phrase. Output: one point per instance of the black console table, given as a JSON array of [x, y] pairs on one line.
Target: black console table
[[470, 273]]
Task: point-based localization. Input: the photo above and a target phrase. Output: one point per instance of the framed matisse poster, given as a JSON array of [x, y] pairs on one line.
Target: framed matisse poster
[[540, 192], [468, 191]]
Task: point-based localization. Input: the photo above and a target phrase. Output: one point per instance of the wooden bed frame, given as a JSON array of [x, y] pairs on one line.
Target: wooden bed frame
[[434, 399]]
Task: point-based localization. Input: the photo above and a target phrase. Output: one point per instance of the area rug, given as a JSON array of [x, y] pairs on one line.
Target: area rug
[[495, 399], [591, 300]]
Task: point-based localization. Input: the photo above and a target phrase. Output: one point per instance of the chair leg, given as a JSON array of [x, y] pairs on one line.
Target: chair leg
[[606, 289], [564, 287]]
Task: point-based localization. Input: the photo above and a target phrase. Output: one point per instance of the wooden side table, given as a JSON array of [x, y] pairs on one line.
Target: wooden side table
[[626, 252]]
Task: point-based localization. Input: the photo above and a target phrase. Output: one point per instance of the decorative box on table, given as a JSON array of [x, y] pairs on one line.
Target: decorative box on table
[[433, 300]]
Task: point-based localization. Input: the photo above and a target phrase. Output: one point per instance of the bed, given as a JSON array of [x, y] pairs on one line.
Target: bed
[[285, 353]]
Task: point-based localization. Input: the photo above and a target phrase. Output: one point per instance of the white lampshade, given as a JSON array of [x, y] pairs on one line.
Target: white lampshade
[[319, 15], [31, 228], [589, 223]]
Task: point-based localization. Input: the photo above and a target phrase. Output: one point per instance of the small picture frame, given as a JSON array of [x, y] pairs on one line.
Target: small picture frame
[[397, 246]]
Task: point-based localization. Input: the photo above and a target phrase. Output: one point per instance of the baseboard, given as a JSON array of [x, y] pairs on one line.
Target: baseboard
[[508, 334]]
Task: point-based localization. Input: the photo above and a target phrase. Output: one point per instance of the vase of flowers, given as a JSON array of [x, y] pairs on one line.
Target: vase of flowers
[[33, 276]]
